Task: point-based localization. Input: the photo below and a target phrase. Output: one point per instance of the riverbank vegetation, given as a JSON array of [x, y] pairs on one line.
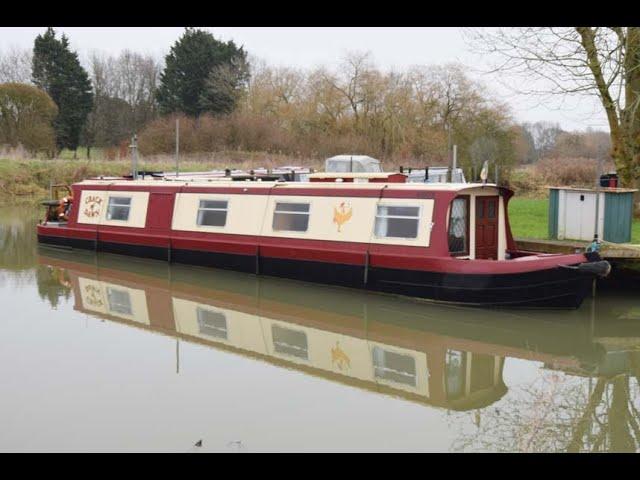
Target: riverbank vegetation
[[28, 180], [226, 100]]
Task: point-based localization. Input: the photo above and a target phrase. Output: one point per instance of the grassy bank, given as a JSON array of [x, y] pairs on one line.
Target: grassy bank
[[23, 180], [28, 180], [529, 218]]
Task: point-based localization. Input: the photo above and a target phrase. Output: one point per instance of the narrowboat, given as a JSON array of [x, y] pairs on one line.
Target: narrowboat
[[444, 242]]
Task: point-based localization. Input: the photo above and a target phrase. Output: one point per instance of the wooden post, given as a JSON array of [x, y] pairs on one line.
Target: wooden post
[[134, 156], [177, 146], [454, 163]]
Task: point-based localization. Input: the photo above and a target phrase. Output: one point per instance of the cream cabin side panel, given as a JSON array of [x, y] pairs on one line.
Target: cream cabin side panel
[[502, 232], [219, 325], [245, 213], [349, 219], [425, 222], [472, 227], [92, 205], [339, 219], [137, 210]]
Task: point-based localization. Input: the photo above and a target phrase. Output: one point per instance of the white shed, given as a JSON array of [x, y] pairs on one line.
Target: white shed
[[572, 213]]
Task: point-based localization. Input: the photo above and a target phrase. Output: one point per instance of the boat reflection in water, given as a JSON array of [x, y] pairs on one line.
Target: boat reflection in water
[[439, 355]]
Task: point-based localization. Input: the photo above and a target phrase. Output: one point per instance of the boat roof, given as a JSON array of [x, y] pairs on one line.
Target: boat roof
[[218, 182], [593, 189], [353, 174]]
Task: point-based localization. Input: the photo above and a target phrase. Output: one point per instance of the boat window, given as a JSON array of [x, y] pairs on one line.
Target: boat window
[[491, 204], [394, 367], [212, 213], [119, 301], [290, 342], [119, 208], [397, 221], [291, 217], [459, 226], [212, 323], [338, 166], [358, 168]]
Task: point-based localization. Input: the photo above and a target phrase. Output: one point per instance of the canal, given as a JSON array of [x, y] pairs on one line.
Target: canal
[[106, 353]]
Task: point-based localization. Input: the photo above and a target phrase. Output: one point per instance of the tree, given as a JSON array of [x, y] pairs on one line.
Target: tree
[[124, 101], [598, 61], [26, 116], [57, 71], [544, 136], [225, 86], [524, 144], [188, 66], [15, 66]]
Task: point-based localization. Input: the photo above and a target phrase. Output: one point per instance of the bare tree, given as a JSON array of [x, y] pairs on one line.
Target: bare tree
[[15, 65], [544, 136], [350, 81], [124, 96], [600, 61]]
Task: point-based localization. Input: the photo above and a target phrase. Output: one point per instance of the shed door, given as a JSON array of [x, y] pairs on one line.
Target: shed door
[[487, 227], [580, 215]]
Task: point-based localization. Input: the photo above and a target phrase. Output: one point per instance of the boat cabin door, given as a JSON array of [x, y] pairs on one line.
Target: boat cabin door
[[487, 227], [160, 211]]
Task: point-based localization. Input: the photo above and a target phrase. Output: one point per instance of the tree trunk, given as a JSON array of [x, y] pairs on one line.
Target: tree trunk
[[631, 120], [583, 424], [621, 438], [625, 124]]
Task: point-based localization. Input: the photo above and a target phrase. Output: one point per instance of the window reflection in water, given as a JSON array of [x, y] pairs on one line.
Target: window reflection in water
[[119, 301], [455, 372], [212, 323], [394, 367], [290, 342]]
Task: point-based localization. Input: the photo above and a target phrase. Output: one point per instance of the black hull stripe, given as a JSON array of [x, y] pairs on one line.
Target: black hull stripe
[[460, 287], [561, 288]]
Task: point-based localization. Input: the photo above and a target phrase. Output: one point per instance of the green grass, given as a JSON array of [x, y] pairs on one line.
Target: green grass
[[635, 231], [529, 218]]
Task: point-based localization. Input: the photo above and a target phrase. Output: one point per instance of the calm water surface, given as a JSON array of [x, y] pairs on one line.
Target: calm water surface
[[108, 353]]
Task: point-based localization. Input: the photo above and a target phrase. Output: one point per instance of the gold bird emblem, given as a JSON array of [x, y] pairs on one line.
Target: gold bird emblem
[[339, 358], [341, 215]]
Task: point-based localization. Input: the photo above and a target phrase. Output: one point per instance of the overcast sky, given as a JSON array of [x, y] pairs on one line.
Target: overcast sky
[[395, 48]]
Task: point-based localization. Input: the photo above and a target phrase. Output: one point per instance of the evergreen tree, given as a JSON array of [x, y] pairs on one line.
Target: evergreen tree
[[192, 79], [57, 71], [225, 86]]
